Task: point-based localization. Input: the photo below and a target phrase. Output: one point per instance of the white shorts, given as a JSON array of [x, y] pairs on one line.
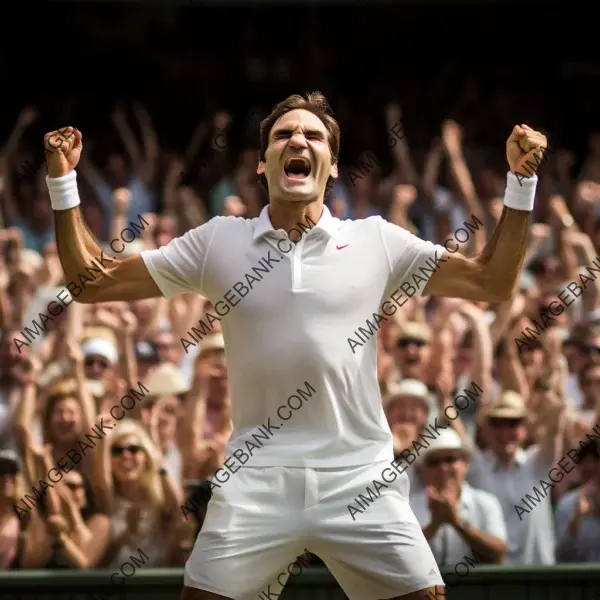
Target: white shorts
[[262, 519]]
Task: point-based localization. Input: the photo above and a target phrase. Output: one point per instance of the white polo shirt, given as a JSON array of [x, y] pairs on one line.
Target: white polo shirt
[[296, 326], [480, 508], [531, 538]]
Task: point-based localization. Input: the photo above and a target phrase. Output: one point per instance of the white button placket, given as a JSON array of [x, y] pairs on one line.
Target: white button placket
[[297, 264]]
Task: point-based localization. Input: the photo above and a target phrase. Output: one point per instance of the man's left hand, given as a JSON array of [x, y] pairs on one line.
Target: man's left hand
[[526, 150]]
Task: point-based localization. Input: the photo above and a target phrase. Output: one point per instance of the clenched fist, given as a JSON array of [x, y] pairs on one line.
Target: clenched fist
[[526, 150], [62, 150]]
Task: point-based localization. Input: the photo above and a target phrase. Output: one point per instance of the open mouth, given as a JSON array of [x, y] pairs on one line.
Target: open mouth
[[297, 167]]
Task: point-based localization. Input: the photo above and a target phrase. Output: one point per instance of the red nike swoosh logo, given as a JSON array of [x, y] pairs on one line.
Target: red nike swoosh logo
[[342, 247]]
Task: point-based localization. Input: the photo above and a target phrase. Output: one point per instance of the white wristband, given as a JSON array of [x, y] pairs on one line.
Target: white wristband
[[520, 192], [63, 191]]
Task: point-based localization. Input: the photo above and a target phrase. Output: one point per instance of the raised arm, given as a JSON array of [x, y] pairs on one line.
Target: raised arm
[[106, 278], [119, 119], [400, 149], [493, 274], [10, 207], [452, 142], [150, 145]]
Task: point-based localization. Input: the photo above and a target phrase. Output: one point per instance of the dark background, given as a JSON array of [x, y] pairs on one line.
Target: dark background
[[489, 65]]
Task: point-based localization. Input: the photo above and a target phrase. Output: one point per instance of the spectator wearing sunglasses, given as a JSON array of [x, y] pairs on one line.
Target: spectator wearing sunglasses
[[412, 351], [457, 519], [578, 512], [509, 472], [144, 500], [11, 490], [100, 357]]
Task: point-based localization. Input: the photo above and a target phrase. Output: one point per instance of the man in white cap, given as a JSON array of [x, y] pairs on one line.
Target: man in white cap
[[409, 402], [457, 520], [100, 354], [510, 473]]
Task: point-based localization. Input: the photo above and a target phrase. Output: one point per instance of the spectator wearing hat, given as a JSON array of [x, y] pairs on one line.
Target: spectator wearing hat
[[457, 519], [578, 512], [162, 413], [100, 355], [509, 472], [207, 425], [410, 407], [100, 348], [11, 490], [409, 402]]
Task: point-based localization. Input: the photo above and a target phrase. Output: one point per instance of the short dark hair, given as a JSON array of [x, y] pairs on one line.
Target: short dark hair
[[314, 102]]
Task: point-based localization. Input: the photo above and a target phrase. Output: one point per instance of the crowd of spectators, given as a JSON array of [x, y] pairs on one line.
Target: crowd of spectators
[[109, 422]]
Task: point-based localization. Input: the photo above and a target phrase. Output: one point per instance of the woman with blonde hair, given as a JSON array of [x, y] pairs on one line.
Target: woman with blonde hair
[[67, 414], [143, 499]]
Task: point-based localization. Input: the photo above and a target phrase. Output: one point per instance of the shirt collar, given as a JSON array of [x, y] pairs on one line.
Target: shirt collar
[[466, 496], [326, 223], [496, 465]]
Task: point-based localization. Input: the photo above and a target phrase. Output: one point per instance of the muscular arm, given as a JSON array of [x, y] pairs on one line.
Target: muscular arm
[[113, 279], [493, 274]]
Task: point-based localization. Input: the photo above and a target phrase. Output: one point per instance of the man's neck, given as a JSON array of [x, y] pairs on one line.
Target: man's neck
[[506, 460], [295, 217]]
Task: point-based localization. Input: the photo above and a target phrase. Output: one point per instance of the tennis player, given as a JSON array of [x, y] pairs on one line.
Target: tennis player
[[290, 324]]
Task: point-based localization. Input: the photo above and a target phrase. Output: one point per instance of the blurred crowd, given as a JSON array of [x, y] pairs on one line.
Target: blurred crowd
[[109, 423]]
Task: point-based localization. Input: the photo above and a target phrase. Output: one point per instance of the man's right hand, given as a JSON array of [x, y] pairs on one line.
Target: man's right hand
[[63, 150]]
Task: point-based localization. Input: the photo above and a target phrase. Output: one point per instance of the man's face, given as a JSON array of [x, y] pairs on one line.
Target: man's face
[[592, 349], [166, 347], [298, 159], [97, 367], [590, 384], [531, 354], [506, 436], [444, 467], [410, 355], [407, 409]]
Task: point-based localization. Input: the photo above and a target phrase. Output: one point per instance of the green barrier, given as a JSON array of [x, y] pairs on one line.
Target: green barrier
[[561, 582]]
